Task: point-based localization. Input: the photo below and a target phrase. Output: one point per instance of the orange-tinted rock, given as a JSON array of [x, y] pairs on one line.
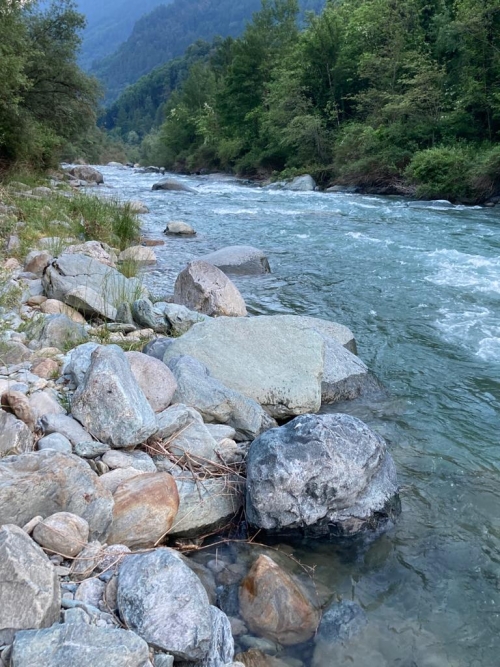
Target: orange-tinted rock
[[274, 605]]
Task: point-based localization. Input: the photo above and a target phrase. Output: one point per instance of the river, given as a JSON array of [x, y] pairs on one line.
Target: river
[[420, 288]]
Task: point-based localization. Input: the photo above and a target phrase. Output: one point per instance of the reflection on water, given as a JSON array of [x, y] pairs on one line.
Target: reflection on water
[[420, 287]]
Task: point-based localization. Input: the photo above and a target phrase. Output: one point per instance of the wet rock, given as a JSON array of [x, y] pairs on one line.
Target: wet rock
[[353, 488], [339, 624], [154, 378], [138, 207], [164, 602], [36, 261], [239, 259], [179, 228], [55, 307], [79, 645], [206, 506], [64, 425], [86, 173], [55, 441], [144, 510], [186, 433], [62, 533], [109, 402], [29, 589], [305, 183], [204, 288], [44, 483], [216, 402], [139, 255], [273, 605], [61, 332], [172, 186], [276, 363]]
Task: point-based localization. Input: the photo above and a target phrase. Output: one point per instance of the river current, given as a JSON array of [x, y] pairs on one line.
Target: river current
[[420, 288]]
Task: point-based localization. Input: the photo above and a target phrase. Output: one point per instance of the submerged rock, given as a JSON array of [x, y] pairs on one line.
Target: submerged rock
[[274, 606], [172, 186], [239, 259], [320, 474], [30, 595], [206, 289]]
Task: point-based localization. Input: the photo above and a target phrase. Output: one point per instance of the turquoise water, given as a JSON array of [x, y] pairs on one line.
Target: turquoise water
[[420, 288]]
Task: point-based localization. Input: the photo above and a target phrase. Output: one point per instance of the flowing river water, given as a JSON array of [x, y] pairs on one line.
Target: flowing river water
[[420, 288]]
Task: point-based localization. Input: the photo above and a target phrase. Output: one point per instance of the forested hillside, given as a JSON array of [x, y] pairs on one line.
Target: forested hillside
[[46, 101], [108, 24], [166, 33], [372, 93]]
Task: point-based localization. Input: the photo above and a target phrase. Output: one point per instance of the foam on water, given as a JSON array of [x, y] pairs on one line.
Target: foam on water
[[458, 269]]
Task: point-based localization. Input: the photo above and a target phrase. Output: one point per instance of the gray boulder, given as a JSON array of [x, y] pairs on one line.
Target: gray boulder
[[61, 332], [179, 228], [78, 361], [186, 433], [180, 318], [206, 506], [30, 595], [272, 360], [164, 602], [328, 330], [46, 482], [239, 259], [172, 186], [216, 402], [340, 622], [321, 474], [204, 288], [305, 183], [156, 347], [79, 645], [65, 426], [145, 314], [110, 403], [86, 173], [88, 285], [221, 650], [15, 436], [154, 378], [55, 441]]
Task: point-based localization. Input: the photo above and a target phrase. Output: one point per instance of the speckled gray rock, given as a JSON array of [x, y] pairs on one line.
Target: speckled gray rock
[[79, 645], [91, 449], [46, 482], [62, 533], [59, 331], [78, 361], [326, 328], [239, 259], [180, 318], [164, 602], [156, 347], [110, 403], [91, 591], [70, 274], [183, 427], [138, 460], [143, 313], [322, 474], [55, 441], [305, 183], [221, 651], [30, 595], [206, 289], [207, 506], [339, 623], [154, 378], [15, 436], [273, 361], [64, 425], [216, 402]]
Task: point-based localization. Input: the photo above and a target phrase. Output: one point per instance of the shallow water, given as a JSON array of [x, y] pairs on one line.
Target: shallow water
[[420, 287]]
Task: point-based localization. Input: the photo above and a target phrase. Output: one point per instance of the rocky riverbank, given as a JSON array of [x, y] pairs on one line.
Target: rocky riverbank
[[136, 431]]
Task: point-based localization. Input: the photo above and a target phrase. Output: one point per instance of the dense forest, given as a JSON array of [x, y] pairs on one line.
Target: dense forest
[[373, 93], [166, 33]]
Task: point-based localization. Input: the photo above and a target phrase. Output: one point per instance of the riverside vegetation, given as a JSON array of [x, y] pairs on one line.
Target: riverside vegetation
[[134, 429], [391, 97]]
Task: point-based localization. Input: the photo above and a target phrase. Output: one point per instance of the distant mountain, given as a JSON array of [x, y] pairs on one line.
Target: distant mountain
[[167, 31], [109, 23]]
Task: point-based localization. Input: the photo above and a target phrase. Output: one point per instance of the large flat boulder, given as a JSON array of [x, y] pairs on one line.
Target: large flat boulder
[[206, 289], [30, 595], [217, 403], [305, 183], [88, 285], [109, 402], [272, 360], [239, 259], [321, 474], [45, 482], [79, 645]]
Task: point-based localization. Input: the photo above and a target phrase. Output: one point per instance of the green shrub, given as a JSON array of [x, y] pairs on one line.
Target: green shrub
[[443, 172]]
